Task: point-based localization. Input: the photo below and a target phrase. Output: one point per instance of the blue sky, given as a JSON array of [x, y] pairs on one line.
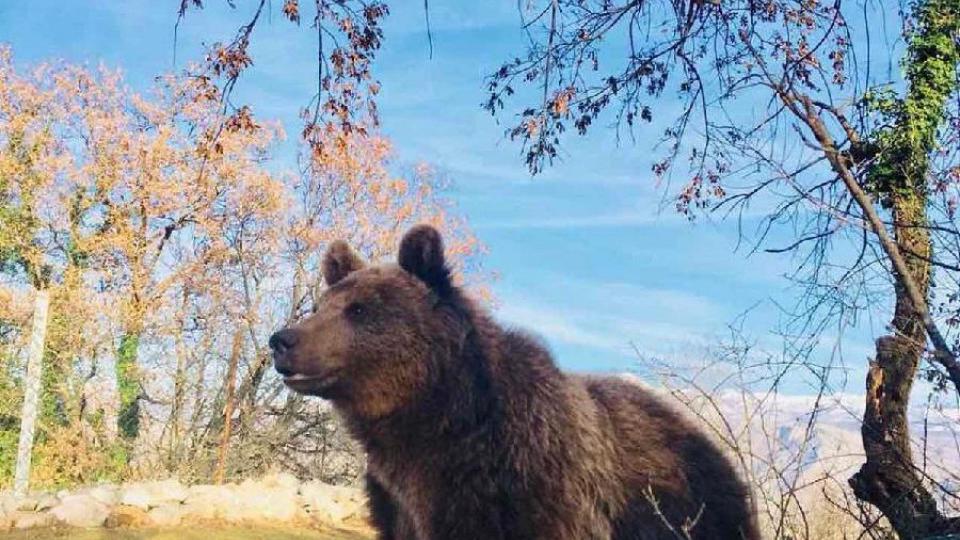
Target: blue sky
[[590, 254]]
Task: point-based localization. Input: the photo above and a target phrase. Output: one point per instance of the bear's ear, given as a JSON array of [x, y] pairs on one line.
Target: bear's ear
[[339, 261], [421, 254]]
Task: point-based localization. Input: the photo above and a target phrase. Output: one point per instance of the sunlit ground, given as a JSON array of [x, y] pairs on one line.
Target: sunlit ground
[[188, 533]]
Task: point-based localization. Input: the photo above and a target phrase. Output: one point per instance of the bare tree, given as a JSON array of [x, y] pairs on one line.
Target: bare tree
[[783, 108]]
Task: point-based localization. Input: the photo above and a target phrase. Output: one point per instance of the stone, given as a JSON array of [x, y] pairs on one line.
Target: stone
[[8, 503], [209, 502], [27, 503], [280, 480], [47, 501], [331, 504], [127, 516], [80, 511], [273, 506], [167, 515], [146, 495], [166, 491], [135, 495], [107, 494], [274, 499], [33, 520], [277, 497]]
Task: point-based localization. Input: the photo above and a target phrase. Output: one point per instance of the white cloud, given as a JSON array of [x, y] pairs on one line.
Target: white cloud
[[658, 321], [556, 325]]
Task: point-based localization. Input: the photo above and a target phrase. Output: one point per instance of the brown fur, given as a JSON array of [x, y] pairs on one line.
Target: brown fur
[[471, 430]]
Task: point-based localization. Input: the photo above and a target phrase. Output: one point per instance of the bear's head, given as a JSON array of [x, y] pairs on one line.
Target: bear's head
[[377, 333]]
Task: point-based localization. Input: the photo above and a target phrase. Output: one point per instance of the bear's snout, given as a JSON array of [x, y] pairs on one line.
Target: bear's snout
[[295, 359], [281, 343]]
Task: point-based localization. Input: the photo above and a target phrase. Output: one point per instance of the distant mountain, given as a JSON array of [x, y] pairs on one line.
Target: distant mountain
[[788, 447]]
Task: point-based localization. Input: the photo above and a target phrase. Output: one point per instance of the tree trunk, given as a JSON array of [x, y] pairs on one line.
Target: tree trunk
[[888, 479], [174, 444], [128, 385], [31, 396], [228, 407]]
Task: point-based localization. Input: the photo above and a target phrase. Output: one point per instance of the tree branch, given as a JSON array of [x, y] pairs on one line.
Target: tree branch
[[942, 352]]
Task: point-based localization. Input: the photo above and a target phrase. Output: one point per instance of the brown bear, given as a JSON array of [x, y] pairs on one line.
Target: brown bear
[[471, 430]]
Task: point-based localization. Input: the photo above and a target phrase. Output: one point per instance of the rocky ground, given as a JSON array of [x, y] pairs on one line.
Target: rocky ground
[[274, 499]]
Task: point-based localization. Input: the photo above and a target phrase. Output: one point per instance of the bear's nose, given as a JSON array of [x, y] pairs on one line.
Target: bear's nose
[[282, 364], [283, 340]]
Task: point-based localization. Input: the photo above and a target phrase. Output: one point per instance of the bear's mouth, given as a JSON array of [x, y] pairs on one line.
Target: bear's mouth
[[310, 384]]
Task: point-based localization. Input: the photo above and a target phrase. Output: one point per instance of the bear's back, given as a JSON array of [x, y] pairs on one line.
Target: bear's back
[[658, 448]]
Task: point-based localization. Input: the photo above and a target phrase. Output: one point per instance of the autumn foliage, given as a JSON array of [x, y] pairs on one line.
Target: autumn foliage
[[172, 244]]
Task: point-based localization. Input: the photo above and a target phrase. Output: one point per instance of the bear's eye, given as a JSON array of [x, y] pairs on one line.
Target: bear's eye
[[355, 310]]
